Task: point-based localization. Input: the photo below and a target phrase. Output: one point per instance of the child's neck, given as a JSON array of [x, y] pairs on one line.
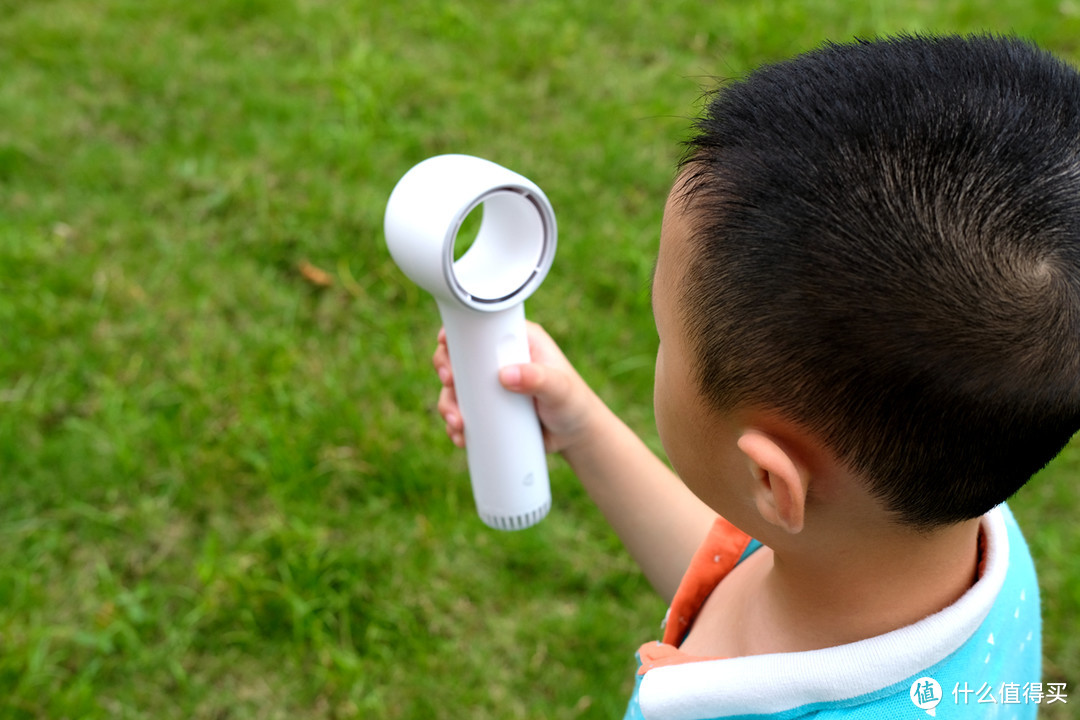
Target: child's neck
[[798, 598]]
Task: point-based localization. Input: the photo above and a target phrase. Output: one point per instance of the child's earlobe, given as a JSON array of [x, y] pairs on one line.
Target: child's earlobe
[[780, 482]]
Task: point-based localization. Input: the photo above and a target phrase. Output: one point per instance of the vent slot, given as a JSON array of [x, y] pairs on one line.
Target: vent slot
[[516, 522]]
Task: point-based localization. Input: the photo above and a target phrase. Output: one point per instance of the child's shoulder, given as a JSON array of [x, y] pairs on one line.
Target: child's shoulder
[[988, 640]]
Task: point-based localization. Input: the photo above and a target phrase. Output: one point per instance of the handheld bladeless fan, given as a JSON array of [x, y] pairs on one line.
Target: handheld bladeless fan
[[481, 300]]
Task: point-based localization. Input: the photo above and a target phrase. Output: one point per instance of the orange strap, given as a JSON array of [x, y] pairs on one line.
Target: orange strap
[[718, 554], [716, 557]]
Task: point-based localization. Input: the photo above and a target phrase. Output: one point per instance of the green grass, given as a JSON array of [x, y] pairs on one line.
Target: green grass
[[226, 491]]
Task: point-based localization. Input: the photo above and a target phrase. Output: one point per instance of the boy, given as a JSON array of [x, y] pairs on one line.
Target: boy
[[868, 301]]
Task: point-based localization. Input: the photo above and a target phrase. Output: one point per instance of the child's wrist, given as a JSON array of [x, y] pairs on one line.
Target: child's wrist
[[595, 420]]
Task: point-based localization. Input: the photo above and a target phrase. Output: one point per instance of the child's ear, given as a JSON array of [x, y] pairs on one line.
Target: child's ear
[[780, 482]]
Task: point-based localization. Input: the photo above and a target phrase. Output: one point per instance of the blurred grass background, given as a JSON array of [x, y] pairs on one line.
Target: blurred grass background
[[226, 492]]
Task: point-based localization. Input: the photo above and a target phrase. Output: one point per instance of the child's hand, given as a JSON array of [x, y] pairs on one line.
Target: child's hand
[[564, 402], [658, 518]]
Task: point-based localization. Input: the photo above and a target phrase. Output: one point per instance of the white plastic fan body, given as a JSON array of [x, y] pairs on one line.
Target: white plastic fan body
[[481, 300]]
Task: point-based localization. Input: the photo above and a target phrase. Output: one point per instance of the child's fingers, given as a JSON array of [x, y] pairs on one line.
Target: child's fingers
[[441, 361], [451, 414], [448, 406]]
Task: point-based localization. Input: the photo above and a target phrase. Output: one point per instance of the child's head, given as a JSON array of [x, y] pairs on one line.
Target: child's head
[[886, 251]]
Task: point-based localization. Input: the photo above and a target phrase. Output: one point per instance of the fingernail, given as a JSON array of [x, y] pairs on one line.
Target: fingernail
[[444, 375], [511, 375]]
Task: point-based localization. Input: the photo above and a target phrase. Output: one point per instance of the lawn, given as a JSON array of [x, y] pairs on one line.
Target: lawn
[[227, 493]]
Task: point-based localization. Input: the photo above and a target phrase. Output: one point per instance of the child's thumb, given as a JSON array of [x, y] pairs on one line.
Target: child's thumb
[[534, 379]]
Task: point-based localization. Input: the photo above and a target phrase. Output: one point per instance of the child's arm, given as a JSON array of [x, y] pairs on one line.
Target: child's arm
[[657, 518]]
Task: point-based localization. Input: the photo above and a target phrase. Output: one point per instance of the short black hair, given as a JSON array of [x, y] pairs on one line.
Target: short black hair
[[886, 242]]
